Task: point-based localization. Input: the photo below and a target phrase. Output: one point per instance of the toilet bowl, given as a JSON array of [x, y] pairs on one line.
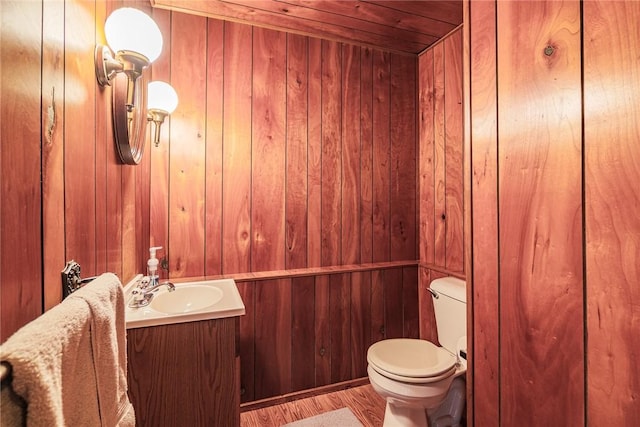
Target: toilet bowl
[[415, 376]]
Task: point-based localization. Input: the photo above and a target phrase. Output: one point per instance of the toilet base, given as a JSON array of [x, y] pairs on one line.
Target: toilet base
[[404, 416]]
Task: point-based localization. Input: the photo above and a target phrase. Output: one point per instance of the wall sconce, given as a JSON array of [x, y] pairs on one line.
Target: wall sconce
[[162, 101], [136, 40]]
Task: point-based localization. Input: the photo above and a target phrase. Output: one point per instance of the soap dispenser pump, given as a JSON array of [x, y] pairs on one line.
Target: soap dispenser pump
[[152, 263]]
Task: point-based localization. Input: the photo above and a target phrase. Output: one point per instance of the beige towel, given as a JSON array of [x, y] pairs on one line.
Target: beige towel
[[69, 364]]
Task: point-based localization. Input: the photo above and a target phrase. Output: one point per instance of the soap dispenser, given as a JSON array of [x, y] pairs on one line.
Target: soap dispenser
[[152, 263]]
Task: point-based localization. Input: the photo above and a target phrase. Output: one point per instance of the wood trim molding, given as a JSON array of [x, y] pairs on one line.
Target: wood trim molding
[[289, 397], [314, 271]]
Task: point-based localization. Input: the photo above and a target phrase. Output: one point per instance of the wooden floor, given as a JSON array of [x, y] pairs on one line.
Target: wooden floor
[[363, 401]]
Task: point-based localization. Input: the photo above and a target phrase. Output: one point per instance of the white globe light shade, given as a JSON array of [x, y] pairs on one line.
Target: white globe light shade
[[161, 96], [129, 29]]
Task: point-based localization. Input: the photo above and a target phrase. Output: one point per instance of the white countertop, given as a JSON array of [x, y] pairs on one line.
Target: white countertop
[[229, 305]]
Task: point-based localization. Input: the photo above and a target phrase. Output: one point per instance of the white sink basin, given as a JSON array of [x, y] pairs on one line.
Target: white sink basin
[[189, 302], [186, 299]]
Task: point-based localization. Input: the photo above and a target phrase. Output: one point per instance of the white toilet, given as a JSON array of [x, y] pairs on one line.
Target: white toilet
[[416, 377]]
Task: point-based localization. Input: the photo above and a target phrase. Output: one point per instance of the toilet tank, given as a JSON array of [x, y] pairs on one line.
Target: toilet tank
[[449, 295]]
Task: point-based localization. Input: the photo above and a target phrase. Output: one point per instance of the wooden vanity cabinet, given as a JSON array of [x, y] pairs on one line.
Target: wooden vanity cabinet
[[185, 374]]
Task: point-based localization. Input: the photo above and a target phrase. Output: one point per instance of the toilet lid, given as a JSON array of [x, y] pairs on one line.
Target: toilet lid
[[411, 358]]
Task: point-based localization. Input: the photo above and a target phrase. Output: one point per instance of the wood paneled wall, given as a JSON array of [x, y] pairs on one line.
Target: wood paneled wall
[[556, 237], [309, 331], [440, 170], [64, 194], [285, 152]]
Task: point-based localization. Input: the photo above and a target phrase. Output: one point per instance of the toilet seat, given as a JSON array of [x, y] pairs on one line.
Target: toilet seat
[[411, 360]]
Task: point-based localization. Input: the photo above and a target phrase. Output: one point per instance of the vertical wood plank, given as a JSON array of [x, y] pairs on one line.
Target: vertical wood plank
[[484, 122], [302, 333], [350, 191], [439, 166], [21, 290], [360, 322], [410, 309], [80, 88], [236, 185], [377, 306], [103, 143], [366, 155], [540, 213], [381, 157], [268, 150], [214, 152], [331, 153], [428, 330], [296, 151], [53, 233], [393, 321], [159, 156], [339, 314], [322, 331], [454, 256], [247, 339], [426, 152], [272, 338], [612, 153], [403, 183], [314, 207], [187, 153]]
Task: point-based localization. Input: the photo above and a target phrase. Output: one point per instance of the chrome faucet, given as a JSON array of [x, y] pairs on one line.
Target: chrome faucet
[[154, 284], [144, 292]]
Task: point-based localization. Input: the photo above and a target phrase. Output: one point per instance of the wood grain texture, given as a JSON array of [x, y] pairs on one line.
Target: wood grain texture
[[454, 206], [214, 148], [403, 160], [297, 152], [273, 342], [381, 157], [160, 358], [103, 143], [366, 155], [52, 136], [80, 87], [612, 161], [236, 190], [331, 222], [439, 166], [363, 401], [410, 309], [484, 187], [426, 151], [400, 26], [21, 290], [351, 158], [540, 206], [377, 329], [302, 333], [393, 323], [340, 326], [247, 339], [187, 158], [322, 330], [360, 320], [159, 156], [268, 127], [314, 172]]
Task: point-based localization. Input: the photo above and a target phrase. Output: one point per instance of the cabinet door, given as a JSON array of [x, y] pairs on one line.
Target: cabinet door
[[184, 374]]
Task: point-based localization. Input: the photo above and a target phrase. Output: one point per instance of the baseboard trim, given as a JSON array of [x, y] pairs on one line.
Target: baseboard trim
[[289, 397]]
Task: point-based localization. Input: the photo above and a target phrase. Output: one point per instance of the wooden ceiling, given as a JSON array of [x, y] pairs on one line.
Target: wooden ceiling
[[391, 25]]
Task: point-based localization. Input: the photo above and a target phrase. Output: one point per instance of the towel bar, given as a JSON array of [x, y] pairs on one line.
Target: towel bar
[[71, 280]]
